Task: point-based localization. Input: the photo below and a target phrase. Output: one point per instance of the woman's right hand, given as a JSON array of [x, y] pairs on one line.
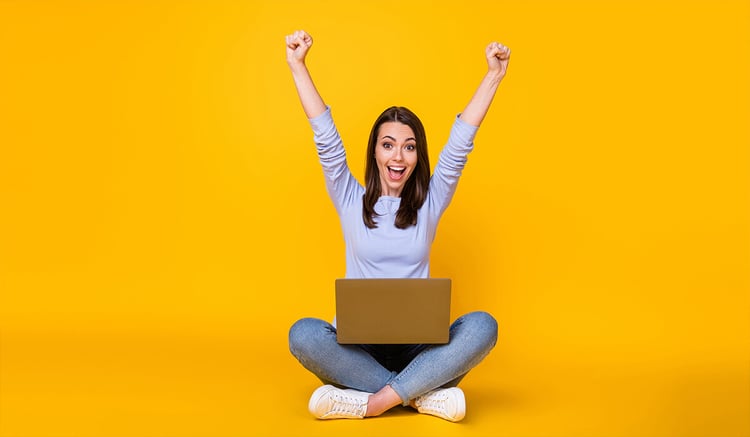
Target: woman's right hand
[[297, 46]]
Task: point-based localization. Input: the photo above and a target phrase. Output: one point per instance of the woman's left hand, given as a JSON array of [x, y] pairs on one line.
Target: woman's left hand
[[497, 58]]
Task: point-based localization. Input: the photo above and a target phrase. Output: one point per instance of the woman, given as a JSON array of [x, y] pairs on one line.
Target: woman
[[389, 226]]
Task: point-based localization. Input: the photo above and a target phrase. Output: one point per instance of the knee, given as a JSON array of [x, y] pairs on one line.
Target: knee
[[303, 334], [482, 325]]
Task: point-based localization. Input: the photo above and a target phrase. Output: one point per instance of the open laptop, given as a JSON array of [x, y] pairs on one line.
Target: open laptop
[[393, 311]]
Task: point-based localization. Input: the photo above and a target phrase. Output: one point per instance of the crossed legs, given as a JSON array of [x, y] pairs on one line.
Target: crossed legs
[[313, 343]]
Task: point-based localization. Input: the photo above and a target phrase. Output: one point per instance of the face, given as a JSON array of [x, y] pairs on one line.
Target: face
[[396, 156]]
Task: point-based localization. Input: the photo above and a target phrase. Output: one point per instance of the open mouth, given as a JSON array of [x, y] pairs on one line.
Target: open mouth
[[396, 173]]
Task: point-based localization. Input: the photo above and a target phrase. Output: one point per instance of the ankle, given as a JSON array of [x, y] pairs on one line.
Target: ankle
[[375, 406], [371, 410], [382, 401]]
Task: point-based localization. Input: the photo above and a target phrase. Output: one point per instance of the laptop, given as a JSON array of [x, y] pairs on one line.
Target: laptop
[[393, 311]]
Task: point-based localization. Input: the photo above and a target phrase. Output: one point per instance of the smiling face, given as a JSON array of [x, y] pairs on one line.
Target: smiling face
[[396, 156]]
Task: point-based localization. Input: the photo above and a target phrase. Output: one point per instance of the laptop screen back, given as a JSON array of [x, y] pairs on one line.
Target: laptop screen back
[[393, 311]]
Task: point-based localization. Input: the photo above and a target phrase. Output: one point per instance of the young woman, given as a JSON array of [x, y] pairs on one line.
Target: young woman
[[389, 226]]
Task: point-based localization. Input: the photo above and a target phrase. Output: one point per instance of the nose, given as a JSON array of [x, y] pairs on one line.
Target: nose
[[397, 154]]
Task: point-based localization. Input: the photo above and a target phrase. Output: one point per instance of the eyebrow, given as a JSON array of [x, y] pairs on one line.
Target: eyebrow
[[393, 139]]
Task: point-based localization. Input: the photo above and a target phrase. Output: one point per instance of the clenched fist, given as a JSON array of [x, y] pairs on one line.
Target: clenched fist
[[497, 57], [297, 46]]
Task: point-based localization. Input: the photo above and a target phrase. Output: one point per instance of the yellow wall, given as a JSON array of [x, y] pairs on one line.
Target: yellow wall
[[157, 172]]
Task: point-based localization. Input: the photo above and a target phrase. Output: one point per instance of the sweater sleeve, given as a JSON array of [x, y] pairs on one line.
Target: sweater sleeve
[[342, 187], [450, 165]]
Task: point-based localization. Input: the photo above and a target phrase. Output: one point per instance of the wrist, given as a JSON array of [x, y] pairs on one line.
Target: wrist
[[495, 76], [296, 64]]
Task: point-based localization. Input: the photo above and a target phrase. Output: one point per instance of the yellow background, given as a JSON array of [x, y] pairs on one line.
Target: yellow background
[[163, 218]]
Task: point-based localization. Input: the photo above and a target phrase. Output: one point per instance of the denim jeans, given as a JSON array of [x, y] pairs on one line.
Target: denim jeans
[[410, 370]]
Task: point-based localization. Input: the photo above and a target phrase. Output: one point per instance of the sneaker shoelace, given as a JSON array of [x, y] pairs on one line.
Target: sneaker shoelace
[[347, 405], [433, 402]]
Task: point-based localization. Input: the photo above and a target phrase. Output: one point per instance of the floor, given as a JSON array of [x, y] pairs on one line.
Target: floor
[[225, 382]]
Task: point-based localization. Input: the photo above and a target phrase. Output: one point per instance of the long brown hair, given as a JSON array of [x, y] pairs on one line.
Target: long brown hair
[[414, 192]]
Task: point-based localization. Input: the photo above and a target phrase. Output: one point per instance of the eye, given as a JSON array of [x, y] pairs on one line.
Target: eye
[[411, 147], [387, 145]]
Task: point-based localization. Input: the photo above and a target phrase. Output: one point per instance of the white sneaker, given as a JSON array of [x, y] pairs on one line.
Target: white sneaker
[[329, 402], [446, 403]]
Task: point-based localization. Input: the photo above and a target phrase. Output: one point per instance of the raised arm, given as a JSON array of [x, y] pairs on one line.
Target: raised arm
[[497, 63], [297, 46]]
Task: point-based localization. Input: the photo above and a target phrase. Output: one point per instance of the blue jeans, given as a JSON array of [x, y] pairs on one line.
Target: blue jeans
[[410, 370]]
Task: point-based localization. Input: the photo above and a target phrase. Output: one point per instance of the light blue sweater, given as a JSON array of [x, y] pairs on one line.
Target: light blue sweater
[[386, 251]]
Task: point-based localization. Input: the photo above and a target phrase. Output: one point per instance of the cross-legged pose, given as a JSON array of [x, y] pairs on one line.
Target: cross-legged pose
[[389, 225]]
